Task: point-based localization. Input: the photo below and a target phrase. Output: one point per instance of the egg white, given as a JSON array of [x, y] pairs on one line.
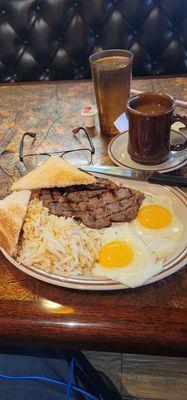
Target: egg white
[[164, 241], [143, 265]]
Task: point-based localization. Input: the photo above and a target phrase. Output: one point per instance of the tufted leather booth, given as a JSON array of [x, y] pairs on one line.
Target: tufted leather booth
[[52, 39]]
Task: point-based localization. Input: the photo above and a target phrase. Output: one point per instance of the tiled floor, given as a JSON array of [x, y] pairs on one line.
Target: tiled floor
[[144, 377]]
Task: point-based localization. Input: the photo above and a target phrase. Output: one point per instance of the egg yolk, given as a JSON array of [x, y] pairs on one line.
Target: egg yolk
[[115, 254], [154, 216]]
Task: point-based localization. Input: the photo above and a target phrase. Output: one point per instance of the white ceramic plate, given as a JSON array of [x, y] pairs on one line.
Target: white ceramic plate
[[172, 263], [117, 151]]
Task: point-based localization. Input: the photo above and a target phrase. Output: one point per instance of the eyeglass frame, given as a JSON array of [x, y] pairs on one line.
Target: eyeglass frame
[[62, 153]]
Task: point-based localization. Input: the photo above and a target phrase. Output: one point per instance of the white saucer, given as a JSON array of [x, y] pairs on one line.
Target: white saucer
[[117, 151]]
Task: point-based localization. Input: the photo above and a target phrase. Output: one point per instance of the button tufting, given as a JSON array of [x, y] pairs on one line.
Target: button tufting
[[157, 72], [13, 78], [155, 34], [80, 76]]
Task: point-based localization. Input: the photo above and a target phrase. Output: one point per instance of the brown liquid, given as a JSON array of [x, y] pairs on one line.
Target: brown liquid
[[151, 108], [149, 128], [111, 77]]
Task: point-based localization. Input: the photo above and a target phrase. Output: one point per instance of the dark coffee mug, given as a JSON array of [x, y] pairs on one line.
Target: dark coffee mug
[[150, 118]]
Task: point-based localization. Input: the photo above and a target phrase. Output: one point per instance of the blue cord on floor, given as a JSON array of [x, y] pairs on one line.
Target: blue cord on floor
[[70, 379], [68, 385]]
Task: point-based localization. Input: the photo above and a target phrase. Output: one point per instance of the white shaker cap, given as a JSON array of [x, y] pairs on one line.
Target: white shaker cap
[[88, 113]]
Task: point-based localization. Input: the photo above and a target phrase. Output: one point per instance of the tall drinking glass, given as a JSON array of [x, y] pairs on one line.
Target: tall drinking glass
[[111, 74]]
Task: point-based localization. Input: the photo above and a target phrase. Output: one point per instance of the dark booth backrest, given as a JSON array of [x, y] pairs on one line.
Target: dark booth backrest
[[52, 39]]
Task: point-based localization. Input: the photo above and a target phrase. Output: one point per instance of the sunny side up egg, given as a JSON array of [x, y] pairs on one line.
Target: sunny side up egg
[[158, 226], [124, 258]]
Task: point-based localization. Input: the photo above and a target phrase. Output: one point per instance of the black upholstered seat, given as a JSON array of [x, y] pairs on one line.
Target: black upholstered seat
[[52, 39]]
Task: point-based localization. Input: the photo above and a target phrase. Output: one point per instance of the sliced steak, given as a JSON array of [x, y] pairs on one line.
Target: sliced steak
[[94, 220], [96, 205], [76, 197], [60, 209], [102, 184]]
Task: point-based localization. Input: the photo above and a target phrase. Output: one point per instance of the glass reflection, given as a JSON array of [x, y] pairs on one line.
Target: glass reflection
[[54, 307]]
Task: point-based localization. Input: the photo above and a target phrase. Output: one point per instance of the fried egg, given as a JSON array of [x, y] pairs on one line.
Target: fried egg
[[123, 257], [158, 226]]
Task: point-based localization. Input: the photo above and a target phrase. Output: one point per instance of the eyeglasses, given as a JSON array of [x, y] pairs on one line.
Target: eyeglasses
[[80, 156]]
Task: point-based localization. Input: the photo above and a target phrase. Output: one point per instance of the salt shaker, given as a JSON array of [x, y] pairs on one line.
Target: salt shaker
[[88, 113]]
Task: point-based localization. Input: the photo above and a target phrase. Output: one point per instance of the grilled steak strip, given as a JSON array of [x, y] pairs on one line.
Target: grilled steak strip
[[96, 205]]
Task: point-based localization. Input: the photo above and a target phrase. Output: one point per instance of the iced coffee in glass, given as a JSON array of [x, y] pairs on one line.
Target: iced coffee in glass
[[111, 74]]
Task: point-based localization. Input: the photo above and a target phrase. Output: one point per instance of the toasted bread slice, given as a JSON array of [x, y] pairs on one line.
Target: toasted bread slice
[[12, 213], [55, 172]]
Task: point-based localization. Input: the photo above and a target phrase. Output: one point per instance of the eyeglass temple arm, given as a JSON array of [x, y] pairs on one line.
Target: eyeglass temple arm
[[76, 130], [32, 134]]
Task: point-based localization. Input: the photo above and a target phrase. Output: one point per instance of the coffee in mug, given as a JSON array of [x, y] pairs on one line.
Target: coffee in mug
[[150, 118]]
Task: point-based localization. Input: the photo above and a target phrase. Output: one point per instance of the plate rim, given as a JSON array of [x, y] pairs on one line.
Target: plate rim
[[120, 164], [103, 284]]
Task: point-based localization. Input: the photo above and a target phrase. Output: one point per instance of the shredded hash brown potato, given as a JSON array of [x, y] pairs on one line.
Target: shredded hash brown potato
[[56, 244]]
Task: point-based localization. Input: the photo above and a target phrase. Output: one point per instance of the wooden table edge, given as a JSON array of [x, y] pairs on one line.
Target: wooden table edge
[[159, 332]]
